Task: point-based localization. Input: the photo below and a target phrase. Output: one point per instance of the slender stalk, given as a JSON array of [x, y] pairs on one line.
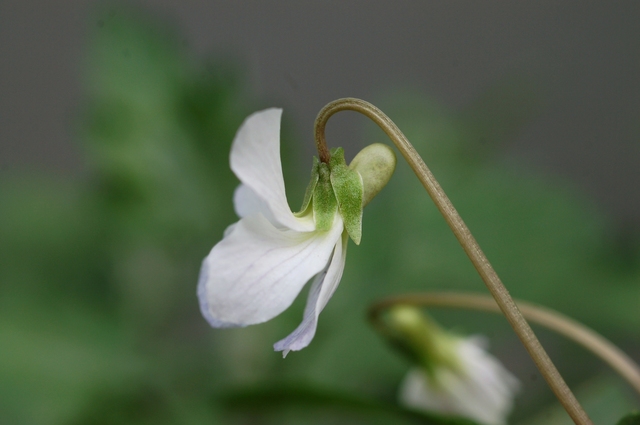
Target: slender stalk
[[469, 244], [588, 338]]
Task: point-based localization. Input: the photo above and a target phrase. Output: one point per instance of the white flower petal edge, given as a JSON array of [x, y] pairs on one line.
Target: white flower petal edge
[[483, 390], [321, 291], [255, 159], [257, 270]]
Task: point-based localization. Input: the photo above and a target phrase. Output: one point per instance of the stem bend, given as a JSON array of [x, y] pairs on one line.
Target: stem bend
[[462, 233]]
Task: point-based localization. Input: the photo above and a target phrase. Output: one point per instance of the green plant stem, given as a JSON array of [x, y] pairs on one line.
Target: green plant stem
[[588, 338], [469, 244]]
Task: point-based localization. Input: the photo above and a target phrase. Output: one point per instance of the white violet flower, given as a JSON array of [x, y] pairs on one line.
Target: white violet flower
[[479, 388], [453, 375], [260, 266]]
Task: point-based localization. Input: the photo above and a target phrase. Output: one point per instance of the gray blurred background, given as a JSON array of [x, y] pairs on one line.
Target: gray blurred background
[[582, 59]]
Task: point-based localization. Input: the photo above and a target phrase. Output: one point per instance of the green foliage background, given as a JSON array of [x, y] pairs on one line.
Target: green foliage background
[[99, 322]]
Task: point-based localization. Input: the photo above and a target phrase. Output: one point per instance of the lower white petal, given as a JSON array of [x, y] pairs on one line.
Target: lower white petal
[[257, 270], [322, 289]]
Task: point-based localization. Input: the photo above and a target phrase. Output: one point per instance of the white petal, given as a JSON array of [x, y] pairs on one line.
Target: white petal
[[255, 159], [490, 385], [246, 203], [322, 289], [483, 391], [416, 391], [257, 270]]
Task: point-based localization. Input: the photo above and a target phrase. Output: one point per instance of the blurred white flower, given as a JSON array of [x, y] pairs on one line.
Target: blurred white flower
[[472, 384], [451, 375], [265, 259]]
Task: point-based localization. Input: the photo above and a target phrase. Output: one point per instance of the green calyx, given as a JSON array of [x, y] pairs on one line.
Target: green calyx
[[338, 187], [308, 195], [349, 190], [319, 198], [324, 203], [335, 187]]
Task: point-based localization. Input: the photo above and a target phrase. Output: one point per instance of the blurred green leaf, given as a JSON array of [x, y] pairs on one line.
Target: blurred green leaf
[[315, 401], [54, 356], [98, 275], [50, 241], [157, 129], [630, 419]]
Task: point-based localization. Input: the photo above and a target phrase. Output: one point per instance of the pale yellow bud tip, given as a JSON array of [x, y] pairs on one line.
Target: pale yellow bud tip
[[375, 164]]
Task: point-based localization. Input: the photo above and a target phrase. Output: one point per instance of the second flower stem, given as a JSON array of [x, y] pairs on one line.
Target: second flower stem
[[469, 244], [557, 322]]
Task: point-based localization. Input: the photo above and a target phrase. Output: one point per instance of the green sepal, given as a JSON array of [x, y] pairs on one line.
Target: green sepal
[[310, 188], [349, 191], [324, 202]]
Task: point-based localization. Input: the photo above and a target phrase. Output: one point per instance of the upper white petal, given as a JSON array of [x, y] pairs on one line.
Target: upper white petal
[[257, 270], [322, 289], [255, 159], [483, 390]]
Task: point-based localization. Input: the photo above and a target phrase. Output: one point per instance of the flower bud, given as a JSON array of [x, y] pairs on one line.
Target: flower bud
[[375, 163], [418, 338], [452, 375]]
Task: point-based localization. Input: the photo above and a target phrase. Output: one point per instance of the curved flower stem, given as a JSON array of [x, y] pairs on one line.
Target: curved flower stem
[[588, 338], [469, 244]]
